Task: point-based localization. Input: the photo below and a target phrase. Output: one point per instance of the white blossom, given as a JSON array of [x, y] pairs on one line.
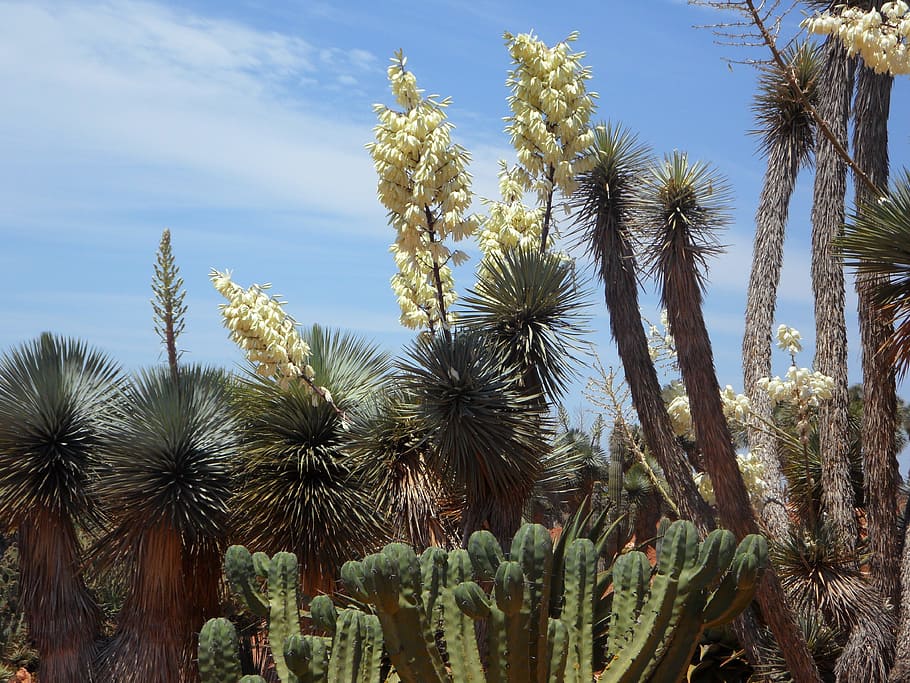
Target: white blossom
[[882, 39], [509, 223], [260, 327], [752, 470], [789, 339], [551, 110]]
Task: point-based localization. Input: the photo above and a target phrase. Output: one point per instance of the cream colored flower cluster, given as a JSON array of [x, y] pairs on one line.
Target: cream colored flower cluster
[[789, 339], [259, 325], [551, 111], [736, 408], [753, 475], [801, 386], [509, 223], [661, 345], [423, 178], [881, 38], [415, 287]]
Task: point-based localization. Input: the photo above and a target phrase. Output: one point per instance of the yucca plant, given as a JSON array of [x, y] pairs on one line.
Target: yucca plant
[[166, 487], [530, 306], [300, 487], [393, 451], [56, 398], [605, 204], [681, 207], [486, 435]]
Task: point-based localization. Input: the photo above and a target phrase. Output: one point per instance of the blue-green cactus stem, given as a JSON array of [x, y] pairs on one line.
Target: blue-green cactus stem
[[219, 659]]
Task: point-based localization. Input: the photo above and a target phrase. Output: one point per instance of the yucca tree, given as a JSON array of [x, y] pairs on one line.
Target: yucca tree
[[394, 455], [786, 138], [877, 244], [681, 206], [166, 487], [300, 488], [56, 398], [486, 434], [835, 87], [604, 202], [529, 306]]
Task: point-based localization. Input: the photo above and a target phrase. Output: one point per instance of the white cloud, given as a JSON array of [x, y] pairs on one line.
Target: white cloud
[[114, 89]]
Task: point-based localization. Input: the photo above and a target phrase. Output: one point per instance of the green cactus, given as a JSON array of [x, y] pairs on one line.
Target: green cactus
[[655, 637], [532, 636], [219, 660], [240, 572]]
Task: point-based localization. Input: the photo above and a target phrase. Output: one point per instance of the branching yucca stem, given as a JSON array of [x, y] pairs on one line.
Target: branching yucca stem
[[804, 101], [548, 211], [437, 279]]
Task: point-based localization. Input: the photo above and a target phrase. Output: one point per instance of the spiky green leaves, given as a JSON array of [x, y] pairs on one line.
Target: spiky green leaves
[[169, 456], [877, 242], [56, 397], [784, 123], [301, 489], [484, 432], [530, 307], [681, 205], [605, 198]]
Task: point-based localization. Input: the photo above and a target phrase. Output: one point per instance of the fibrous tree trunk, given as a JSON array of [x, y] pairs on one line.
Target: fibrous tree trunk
[[682, 297], [836, 85], [63, 618], [767, 259]]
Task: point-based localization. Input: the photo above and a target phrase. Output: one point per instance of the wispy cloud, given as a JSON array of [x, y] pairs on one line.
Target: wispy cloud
[[110, 90]]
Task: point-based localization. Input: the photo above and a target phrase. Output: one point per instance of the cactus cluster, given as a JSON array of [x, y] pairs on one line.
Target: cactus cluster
[[539, 605]]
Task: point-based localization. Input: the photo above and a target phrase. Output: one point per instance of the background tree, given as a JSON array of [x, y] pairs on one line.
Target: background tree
[[57, 397], [786, 132], [166, 487]]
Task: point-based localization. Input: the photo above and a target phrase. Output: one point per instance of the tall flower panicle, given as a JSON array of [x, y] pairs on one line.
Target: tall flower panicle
[[881, 38], [509, 223], [753, 471], [551, 111], [424, 184], [414, 286], [259, 325], [736, 408]]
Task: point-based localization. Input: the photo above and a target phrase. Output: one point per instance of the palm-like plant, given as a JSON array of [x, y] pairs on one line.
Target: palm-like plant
[[166, 487], [787, 133], [681, 206], [486, 435], [605, 201], [394, 454], [301, 489], [529, 305], [56, 396]]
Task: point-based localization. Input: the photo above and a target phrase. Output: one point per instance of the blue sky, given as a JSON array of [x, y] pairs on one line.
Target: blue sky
[[241, 127]]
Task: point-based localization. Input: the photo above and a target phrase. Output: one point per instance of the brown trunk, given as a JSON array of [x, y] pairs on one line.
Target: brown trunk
[[868, 658], [836, 84], [767, 258], [682, 296], [154, 639], [617, 268], [63, 619]]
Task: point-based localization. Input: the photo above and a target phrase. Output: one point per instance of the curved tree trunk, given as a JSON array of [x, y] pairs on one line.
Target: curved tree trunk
[[868, 658], [63, 619], [767, 259], [617, 268], [682, 297], [835, 87]]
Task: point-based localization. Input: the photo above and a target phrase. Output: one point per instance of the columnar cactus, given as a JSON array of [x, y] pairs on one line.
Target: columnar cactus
[[654, 623]]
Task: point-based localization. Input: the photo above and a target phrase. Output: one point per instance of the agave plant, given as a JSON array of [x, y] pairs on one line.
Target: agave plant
[[166, 486], [56, 396], [301, 489], [486, 435]]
